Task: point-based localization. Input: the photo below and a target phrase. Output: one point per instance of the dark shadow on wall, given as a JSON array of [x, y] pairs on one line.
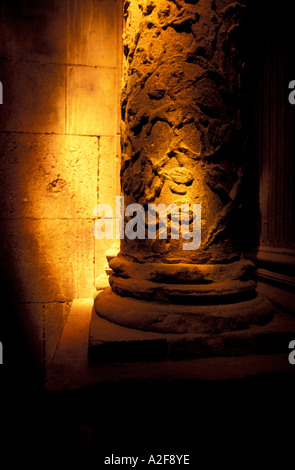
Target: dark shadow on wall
[[270, 36], [29, 41]]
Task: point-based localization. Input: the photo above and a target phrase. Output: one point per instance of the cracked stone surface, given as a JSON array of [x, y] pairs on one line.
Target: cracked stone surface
[[182, 138], [183, 143]]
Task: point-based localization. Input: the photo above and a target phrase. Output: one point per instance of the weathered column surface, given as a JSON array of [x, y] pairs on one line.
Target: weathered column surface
[[183, 143]]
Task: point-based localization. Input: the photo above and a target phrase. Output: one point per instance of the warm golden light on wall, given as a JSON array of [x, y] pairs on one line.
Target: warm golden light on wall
[[59, 126]]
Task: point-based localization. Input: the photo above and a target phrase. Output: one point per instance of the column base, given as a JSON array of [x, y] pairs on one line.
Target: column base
[[146, 315], [162, 317], [113, 343]]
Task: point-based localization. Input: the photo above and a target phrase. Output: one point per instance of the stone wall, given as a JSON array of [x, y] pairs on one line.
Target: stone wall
[[59, 66]]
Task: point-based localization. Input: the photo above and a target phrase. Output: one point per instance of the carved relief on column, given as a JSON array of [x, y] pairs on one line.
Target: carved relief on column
[[182, 137], [183, 143]]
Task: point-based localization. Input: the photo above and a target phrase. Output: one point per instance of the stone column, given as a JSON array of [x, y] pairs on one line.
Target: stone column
[[183, 143]]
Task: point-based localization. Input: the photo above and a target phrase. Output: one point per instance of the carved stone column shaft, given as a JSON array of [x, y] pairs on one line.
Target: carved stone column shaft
[[183, 143]]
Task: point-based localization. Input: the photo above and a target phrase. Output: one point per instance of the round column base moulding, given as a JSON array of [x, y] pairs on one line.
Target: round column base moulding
[[183, 283], [163, 317]]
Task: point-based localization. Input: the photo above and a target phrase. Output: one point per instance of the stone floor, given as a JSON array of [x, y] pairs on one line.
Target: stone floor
[[216, 409], [122, 354]]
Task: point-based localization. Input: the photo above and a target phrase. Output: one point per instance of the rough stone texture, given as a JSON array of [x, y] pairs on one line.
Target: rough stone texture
[[27, 30], [91, 101], [109, 165], [34, 97], [202, 274], [183, 142], [109, 342], [48, 176], [96, 43], [113, 343], [181, 316], [59, 65], [171, 282], [90, 27], [200, 293], [182, 130]]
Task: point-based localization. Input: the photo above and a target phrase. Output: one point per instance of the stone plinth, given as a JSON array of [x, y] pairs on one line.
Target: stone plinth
[[113, 343]]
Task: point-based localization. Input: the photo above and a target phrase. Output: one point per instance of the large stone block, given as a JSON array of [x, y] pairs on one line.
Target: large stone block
[[33, 97], [110, 342], [93, 32], [91, 101], [34, 30], [47, 176], [48, 260]]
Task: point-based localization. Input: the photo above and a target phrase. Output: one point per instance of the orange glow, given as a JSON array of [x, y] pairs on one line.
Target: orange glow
[[59, 127]]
